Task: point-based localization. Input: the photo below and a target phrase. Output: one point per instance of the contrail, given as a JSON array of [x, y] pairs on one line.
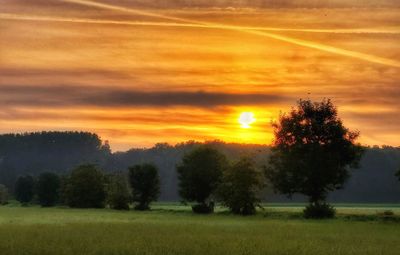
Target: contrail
[[304, 43], [13, 16], [129, 10]]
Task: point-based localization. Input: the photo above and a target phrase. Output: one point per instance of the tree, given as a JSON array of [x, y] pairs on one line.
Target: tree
[[199, 175], [241, 187], [118, 196], [145, 184], [85, 187], [313, 153], [24, 189], [398, 174], [3, 195], [48, 187]]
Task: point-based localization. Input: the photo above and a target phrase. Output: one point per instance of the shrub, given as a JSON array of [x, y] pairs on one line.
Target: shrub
[[3, 195], [24, 189], [85, 188], [199, 175], [118, 196], [48, 187], [203, 208], [145, 184], [319, 211]]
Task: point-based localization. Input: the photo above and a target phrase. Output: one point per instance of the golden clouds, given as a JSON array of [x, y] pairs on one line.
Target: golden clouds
[[139, 80]]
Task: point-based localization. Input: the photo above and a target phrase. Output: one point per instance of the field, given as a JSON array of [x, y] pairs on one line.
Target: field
[[173, 229]]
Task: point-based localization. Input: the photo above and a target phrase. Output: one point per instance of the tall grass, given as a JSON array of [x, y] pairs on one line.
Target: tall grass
[[41, 231]]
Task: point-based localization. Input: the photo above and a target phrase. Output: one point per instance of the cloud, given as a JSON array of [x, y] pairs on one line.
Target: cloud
[[13, 16], [61, 96], [287, 39]]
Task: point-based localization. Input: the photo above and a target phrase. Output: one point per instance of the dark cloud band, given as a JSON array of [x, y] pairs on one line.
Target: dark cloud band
[[53, 96]]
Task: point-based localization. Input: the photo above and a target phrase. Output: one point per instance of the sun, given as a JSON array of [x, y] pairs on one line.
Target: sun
[[246, 118]]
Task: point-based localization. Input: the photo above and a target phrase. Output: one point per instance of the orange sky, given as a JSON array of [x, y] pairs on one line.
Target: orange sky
[[138, 75]]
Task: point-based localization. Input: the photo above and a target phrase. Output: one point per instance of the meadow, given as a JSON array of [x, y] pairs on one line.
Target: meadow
[[173, 229]]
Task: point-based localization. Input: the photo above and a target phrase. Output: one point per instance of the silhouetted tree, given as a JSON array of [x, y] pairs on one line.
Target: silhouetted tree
[[312, 153], [398, 174], [24, 189], [48, 187], [199, 175], [241, 187], [145, 184], [3, 194], [118, 195], [85, 187]]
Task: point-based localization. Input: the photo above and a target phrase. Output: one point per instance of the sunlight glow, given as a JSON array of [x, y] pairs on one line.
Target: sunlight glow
[[246, 118]]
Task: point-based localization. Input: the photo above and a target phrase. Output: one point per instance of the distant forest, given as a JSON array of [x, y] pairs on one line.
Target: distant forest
[[59, 152]]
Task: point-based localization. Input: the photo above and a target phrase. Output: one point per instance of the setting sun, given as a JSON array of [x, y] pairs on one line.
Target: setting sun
[[246, 118]]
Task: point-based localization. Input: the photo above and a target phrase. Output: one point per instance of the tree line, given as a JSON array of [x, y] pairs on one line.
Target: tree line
[[89, 187], [313, 154]]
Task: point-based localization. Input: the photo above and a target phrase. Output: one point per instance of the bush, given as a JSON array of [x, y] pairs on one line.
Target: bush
[[48, 187], [386, 215], [319, 211], [203, 208], [241, 187], [145, 184], [199, 175], [24, 189], [85, 188], [3, 195], [118, 196]]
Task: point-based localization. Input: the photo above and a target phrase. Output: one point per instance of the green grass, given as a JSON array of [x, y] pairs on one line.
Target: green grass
[[173, 229]]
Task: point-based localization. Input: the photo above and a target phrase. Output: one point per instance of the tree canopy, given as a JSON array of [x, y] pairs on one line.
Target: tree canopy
[[3, 194], [145, 184], [85, 187], [24, 189], [48, 187], [313, 152], [241, 187], [199, 174], [118, 194]]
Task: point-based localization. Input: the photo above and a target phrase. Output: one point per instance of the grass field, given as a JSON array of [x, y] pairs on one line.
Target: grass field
[[173, 229]]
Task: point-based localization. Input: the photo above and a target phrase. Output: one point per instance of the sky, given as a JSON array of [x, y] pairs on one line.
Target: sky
[[142, 72]]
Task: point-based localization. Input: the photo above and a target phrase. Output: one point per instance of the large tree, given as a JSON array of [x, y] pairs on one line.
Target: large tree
[[85, 187], [313, 152], [241, 187], [24, 189], [199, 175], [48, 188], [145, 184]]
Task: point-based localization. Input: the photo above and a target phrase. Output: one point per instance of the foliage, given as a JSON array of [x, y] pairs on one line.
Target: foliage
[[48, 187], [85, 187], [241, 186], [118, 195], [58, 152], [203, 208], [398, 174], [24, 189], [319, 211], [312, 152], [145, 184], [3, 194], [199, 174]]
